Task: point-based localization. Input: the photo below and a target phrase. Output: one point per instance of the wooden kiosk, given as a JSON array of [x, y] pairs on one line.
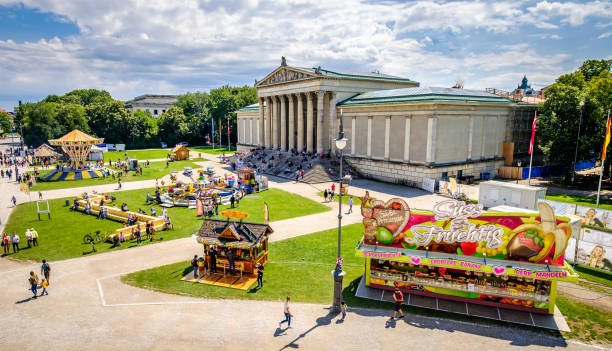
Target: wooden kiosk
[[248, 242]]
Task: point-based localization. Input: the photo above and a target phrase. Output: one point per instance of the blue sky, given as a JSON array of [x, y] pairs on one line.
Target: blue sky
[[130, 47]]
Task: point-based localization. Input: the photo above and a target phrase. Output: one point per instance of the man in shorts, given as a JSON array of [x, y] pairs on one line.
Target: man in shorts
[[398, 297]]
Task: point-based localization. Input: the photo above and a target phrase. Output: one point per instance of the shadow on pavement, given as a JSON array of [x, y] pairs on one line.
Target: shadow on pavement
[[24, 300], [516, 335], [320, 322]]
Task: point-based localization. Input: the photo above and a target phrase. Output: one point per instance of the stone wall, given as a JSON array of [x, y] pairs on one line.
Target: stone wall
[[396, 172]]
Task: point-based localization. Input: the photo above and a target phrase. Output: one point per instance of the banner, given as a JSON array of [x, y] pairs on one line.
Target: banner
[[533, 131], [595, 249], [266, 217], [457, 228], [561, 208], [595, 217], [199, 208]]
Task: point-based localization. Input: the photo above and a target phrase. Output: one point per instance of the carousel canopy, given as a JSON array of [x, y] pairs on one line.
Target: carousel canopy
[[76, 137], [225, 233]]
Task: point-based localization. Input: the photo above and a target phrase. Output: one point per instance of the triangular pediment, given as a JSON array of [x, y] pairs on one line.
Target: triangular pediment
[[230, 233], [285, 74]]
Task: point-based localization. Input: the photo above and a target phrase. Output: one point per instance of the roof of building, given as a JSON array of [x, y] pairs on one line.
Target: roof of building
[[335, 73], [154, 96], [179, 147], [45, 150], [252, 107], [423, 94], [222, 232]]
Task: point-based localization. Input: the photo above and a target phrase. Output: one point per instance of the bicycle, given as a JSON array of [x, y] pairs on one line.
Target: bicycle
[[96, 238]]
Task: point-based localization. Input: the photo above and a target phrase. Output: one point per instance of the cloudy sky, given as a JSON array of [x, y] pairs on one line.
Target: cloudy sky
[[132, 47]]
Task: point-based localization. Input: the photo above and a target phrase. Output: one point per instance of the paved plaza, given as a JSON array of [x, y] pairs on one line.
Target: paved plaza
[[88, 307]]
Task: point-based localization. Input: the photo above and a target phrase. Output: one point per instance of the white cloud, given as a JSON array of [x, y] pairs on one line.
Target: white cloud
[[604, 35], [130, 47]]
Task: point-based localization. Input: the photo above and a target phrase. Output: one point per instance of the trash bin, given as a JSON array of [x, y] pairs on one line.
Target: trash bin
[[67, 202], [485, 175]]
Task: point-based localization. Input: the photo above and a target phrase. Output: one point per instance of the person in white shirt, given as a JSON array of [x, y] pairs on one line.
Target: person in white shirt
[[28, 235], [287, 312], [350, 203]]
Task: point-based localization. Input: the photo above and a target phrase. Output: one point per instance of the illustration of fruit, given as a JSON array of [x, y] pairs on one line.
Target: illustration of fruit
[[527, 241], [556, 236], [384, 236], [469, 248]]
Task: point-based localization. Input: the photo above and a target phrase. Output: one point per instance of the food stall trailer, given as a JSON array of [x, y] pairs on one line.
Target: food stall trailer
[[458, 252]]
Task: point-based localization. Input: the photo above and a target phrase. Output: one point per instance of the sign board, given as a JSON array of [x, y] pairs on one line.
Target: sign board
[[429, 184], [457, 228], [595, 249]]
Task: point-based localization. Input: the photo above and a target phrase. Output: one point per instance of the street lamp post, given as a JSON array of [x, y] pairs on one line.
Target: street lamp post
[[338, 273], [577, 139]]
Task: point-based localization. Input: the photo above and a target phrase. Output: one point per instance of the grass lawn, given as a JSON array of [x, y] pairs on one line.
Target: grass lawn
[[587, 323], [155, 169], [356, 199], [580, 200], [215, 151], [61, 237], [141, 155], [594, 276]]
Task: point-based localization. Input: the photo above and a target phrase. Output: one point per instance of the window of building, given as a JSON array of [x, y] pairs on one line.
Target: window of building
[[154, 112], [163, 111]]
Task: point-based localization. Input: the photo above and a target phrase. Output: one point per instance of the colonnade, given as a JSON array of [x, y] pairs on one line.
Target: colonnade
[[304, 121]]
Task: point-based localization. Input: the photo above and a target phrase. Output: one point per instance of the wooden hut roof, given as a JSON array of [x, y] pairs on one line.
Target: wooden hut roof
[[45, 150], [222, 232], [179, 147]]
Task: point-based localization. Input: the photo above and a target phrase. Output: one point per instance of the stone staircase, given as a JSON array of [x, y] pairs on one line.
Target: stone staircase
[[316, 169]]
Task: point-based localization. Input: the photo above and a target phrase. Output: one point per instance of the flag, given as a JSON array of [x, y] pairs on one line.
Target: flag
[[228, 128], [265, 213], [199, 208], [219, 130], [212, 128], [533, 129], [607, 140]]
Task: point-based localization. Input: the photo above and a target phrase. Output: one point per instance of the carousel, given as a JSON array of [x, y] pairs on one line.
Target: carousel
[[77, 146]]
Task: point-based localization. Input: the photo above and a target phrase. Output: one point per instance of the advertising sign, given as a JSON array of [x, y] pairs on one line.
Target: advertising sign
[[595, 249], [460, 228]]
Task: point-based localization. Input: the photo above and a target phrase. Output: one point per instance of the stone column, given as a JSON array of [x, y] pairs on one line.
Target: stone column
[[369, 142], [283, 123], [291, 132], [309, 122], [275, 126], [268, 128], [334, 123], [353, 122], [320, 121], [407, 139], [387, 136], [260, 130], [300, 121]]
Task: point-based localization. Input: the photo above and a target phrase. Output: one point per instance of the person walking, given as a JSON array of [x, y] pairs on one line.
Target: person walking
[[44, 284], [33, 280], [119, 183], [28, 235], [398, 297], [45, 270], [232, 199], [15, 241], [232, 263], [138, 235], [14, 200], [343, 308], [216, 207], [6, 246], [40, 197], [34, 236], [325, 194], [350, 203], [213, 260], [194, 264], [287, 311], [260, 272]]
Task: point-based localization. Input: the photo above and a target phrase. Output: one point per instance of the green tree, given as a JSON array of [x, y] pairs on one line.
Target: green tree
[[223, 103], [575, 79], [173, 126], [88, 96], [111, 121], [145, 130], [6, 123], [39, 122], [593, 68], [70, 117]]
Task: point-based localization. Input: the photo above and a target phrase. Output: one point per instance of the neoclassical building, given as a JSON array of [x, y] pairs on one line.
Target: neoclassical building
[[396, 130]]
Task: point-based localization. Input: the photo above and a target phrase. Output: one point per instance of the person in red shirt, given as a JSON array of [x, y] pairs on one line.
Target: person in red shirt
[[398, 297]]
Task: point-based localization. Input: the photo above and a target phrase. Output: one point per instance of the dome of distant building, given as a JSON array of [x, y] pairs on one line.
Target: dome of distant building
[[525, 88]]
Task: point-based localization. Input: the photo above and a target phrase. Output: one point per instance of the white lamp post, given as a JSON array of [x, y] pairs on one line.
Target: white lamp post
[[338, 273]]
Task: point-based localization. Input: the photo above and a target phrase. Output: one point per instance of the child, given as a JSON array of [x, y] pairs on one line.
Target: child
[[44, 284], [343, 309]]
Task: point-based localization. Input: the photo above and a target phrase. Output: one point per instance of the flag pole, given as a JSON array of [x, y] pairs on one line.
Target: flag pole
[[603, 159], [212, 126], [530, 162], [533, 130]]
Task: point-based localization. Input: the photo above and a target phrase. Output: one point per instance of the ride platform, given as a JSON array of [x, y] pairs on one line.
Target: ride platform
[[75, 174]]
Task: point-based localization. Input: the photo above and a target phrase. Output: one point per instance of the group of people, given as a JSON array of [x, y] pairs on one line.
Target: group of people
[[35, 283], [13, 241]]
